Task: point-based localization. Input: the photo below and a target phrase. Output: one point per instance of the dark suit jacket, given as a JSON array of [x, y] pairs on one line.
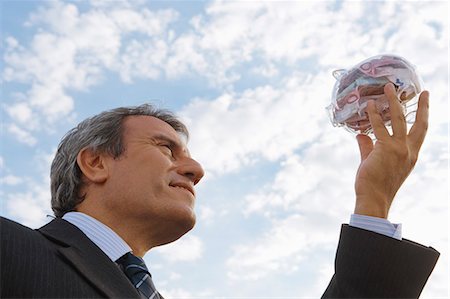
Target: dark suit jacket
[[59, 261]]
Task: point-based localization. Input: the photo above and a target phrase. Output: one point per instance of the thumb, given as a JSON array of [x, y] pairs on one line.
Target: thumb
[[365, 145]]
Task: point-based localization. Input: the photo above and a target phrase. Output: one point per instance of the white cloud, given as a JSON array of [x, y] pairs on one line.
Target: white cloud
[[31, 206], [20, 112], [238, 129], [176, 294], [10, 180], [152, 52], [227, 130], [179, 293], [309, 197], [282, 249], [322, 280], [186, 57], [21, 135], [66, 54], [175, 276], [29, 202], [322, 175], [269, 70], [207, 214], [51, 101], [188, 248]]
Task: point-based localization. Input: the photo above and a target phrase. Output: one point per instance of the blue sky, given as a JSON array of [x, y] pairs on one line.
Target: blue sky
[[251, 80]]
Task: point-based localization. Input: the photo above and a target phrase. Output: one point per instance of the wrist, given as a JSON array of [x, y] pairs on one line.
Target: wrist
[[371, 207]]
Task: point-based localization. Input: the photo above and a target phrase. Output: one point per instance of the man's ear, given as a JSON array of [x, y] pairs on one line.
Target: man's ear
[[93, 165]]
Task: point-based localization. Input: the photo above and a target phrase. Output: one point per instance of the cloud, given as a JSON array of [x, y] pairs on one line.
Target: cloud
[[152, 52], [228, 131], [282, 249], [308, 199], [10, 180], [65, 54], [20, 112], [266, 70], [189, 248], [31, 206], [138, 43], [207, 214], [238, 129], [27, 200], [322, 176], [179, 293], [176, 293], [21, 135]]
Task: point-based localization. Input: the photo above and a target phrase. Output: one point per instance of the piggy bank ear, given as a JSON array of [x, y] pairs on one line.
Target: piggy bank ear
[[337, 74]]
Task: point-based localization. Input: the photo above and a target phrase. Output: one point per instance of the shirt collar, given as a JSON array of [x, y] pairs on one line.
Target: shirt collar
[[100, 234]]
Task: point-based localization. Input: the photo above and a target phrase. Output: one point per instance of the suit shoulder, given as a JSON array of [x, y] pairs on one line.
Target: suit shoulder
[[22, 248], [8, 227], [16, 237]]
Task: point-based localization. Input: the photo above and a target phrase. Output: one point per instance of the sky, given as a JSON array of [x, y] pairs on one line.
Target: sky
[[251, 80]]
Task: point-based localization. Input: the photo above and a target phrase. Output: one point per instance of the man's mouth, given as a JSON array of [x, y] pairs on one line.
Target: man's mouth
[[183, 185]]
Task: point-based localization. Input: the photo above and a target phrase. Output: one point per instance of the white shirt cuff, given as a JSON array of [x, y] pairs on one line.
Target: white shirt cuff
[[378, 225]]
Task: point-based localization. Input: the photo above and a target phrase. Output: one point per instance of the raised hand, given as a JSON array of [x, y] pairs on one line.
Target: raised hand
[[386, 164]]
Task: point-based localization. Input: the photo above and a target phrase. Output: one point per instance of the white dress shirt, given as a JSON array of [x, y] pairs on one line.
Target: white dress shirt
[[101, 235]]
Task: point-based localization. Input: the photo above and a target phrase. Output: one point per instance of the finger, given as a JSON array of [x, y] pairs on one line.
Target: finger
[[420, 127], [398, 121], [379, 130], [365, 145]]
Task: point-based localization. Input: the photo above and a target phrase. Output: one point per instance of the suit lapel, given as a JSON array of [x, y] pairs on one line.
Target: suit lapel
[[88, 259]]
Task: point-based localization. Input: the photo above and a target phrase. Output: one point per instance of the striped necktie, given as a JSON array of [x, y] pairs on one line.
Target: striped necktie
[[136, 271]]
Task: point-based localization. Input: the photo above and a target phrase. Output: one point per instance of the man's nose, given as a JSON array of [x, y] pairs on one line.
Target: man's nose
[[191, 169]]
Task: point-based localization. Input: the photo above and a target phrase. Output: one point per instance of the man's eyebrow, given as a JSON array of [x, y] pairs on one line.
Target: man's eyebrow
[[172, 142]]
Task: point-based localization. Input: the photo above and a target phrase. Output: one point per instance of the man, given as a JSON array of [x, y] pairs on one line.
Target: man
[[123, 182]]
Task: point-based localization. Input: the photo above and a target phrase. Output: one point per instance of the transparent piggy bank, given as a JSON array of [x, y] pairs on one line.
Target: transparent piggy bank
[[366, 81]]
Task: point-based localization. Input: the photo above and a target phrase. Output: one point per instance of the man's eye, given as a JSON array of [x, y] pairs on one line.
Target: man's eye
[[168, 149]]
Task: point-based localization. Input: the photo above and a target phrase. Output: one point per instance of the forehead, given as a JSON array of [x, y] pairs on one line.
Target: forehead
[[149, 126]]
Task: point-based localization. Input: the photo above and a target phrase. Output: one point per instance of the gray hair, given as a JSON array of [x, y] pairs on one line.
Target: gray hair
[[102, 133]]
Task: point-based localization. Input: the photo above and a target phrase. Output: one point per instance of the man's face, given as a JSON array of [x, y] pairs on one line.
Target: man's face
[[151, 185]]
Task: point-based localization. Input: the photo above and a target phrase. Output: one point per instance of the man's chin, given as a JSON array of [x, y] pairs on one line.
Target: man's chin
[[180, 227], [186, 224]]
